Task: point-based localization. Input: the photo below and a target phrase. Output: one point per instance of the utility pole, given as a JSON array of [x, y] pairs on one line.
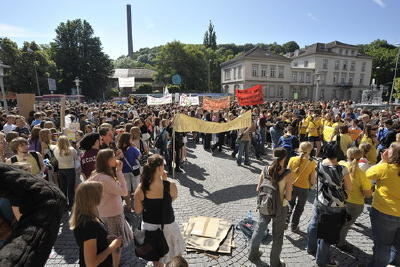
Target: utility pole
[[209, 76]]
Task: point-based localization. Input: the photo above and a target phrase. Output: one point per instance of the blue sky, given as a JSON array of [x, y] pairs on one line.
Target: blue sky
[[157, 22]]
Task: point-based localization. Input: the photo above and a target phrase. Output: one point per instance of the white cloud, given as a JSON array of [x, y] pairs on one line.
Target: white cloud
[[380, 3], [7, 30], [311, 16]]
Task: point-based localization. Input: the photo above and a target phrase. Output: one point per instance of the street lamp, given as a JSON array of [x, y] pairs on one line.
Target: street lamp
[[77, 82], [34, 65], [209, 76], [395, 73], [2, 67], [317, 78]]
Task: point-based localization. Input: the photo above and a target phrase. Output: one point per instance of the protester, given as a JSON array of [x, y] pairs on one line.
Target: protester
[[385, 212], [153, 199], [304, 177], [90, 143], [332, 182], [360, 189], [89, 231], [66, 156], [109, 173]]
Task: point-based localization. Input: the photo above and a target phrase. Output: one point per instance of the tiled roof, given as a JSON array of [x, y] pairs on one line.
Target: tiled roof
[[257, 52], [137, 73]]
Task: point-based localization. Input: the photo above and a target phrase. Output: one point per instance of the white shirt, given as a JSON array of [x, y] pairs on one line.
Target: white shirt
[[9, 128]]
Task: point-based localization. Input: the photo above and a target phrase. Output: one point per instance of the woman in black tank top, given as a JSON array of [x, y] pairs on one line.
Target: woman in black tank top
[[153, 198]]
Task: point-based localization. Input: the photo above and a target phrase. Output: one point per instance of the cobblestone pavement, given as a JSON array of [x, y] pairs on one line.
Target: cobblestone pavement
[[215, 186]]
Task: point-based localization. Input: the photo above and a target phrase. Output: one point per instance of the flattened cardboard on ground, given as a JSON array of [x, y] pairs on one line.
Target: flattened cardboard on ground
[[206, 243], [225, 247], [205, 227]]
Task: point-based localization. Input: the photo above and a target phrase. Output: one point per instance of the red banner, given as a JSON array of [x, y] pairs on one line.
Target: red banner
[[216, 104], [251, 96]]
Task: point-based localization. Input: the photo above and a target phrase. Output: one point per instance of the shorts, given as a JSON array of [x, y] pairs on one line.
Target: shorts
[[132, 181], [314, 138]]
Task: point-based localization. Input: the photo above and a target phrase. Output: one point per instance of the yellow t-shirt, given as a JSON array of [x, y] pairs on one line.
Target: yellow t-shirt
[[314, 127], [386, 198], [303, 126], [371, 155], [359, 183], [345, 142], [302, 177], [327, 123], [337, 124]]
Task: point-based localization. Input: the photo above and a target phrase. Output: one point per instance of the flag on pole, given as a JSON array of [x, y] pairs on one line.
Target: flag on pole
[[166, 92]]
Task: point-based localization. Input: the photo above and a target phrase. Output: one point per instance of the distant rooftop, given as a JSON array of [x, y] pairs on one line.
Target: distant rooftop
[[137, 73], [257, 52]]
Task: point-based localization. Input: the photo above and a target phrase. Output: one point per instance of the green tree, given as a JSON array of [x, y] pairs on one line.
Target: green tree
[[210, 37], [125, 62], [290, 46], [78, 53]]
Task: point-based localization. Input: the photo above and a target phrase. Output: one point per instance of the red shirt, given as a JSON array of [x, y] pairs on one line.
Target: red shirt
[[88, 162]]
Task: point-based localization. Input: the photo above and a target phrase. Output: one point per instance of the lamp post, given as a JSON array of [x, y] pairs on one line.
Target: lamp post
[[77, 82], [395, 73], [209, 76], [34, 66], [2, 67], [317, 78]]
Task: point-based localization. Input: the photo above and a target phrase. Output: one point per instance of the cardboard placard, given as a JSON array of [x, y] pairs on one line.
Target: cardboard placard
[[25, 103]]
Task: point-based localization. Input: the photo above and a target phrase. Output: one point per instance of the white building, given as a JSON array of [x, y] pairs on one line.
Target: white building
[[257, 66], [338, 70], [342, 70]]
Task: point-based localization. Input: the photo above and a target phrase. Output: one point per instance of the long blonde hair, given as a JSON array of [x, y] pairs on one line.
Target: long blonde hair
[[64, 145], [102, 166], [305, 149], [44, 136], [87, 198], [354, 154]]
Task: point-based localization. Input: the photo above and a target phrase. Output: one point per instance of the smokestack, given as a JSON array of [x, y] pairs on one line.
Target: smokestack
[[129, 22]]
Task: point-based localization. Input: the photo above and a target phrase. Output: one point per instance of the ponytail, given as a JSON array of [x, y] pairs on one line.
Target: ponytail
[[276, 168], [353, 167], [354, 154], [149, 169]]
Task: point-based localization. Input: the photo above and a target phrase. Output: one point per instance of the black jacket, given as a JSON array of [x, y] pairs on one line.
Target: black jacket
[[41, 204]]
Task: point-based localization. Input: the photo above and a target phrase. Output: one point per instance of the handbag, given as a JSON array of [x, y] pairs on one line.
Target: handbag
[[135, 172], [155, 245]]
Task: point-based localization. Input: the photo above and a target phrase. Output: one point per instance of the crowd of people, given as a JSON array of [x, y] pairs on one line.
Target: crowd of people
[[119, 159]]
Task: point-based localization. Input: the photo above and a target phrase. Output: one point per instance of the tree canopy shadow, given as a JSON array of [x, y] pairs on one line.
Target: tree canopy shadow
[[234, 193], [196, 189], [195, 171]]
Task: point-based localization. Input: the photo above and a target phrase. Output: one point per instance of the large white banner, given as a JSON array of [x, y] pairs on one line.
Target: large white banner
[[153, 101], [126, 82], [187, 101]]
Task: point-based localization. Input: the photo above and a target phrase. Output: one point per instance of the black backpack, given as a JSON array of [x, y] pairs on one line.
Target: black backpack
[[159, 142]]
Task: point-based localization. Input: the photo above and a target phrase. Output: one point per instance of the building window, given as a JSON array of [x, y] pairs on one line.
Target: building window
[[272, 71], [334, 93], [335, 77], [340, 50], [345, 64], [295, 64], [353, 66], [306, 64], [281, 70], [308, 77], [254, 70], [227, 74], [347, 52], [353, 53], [234, 73], [263, 70], [337, 63], [280, 91], [362, 79], [325, 64], [343, 78], [322, 93], [301, 77], [240, 72], [294, 76], [363, 66], [272, 91], [351, 78], [323, 78]]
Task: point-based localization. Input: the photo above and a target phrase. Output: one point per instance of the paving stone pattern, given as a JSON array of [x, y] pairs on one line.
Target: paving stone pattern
[[213, 185]]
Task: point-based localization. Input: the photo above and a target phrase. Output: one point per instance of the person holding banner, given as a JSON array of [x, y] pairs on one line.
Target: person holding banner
[[244, 145]]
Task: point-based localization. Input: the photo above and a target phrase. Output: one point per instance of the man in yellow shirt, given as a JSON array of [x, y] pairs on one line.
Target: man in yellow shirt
[[314, 130], [385, 212]]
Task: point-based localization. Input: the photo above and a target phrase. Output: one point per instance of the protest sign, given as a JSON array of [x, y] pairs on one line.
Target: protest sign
[[355, 133], [187, 101], [126, 82], [217, 104], [250, 96], [25, 104], [184, 123], [154, 101]]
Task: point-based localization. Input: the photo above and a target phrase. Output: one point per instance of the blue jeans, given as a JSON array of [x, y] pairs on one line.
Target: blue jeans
[[278, 228], [315, 244], [243, 149], [386, 236], [263, 138]]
